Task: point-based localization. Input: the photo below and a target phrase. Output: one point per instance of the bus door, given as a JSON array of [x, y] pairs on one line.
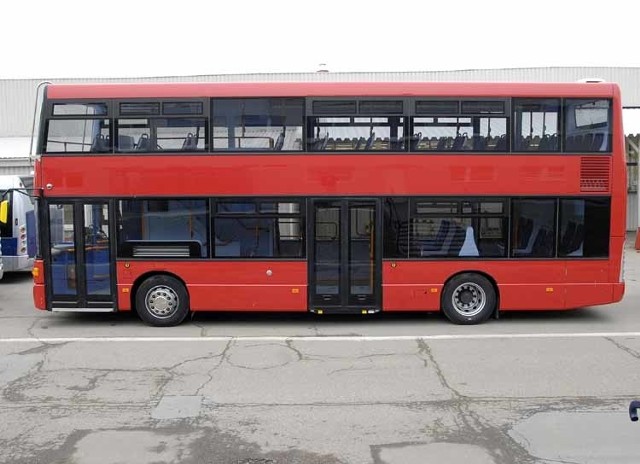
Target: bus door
[[80, 267], [345, 255]]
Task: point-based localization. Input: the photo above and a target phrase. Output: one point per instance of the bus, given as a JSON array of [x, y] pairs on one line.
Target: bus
[[17, 225], [330, 198]]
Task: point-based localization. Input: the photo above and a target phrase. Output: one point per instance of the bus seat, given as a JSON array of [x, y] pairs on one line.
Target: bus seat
[[370, 140], [144, 143], [597, 142], [578, 238], [125, 143], [324, 142], [442, 143], [529, 240], [569, 143], [469, 247], [577, 142], [587, 142], [568, 236], [544, 143], [479, 143], [458, 143], [501, 144], [415, 140], [523, 143], [190, 143], [279, 142], [543, 245], [100, 144]]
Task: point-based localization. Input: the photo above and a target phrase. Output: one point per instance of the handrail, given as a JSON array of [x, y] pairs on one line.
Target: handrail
[[35, 115]]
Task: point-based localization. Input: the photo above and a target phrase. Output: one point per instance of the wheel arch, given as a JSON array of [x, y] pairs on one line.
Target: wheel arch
[[484, 274]]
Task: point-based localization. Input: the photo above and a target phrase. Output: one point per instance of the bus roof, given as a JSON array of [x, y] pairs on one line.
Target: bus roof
[[332, 89]]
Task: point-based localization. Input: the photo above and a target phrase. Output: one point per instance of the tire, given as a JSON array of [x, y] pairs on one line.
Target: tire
[[162, 301], [468, 299]]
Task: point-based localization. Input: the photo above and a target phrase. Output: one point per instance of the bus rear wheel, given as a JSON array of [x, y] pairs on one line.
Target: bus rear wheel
[[162, 301], [468, 298]]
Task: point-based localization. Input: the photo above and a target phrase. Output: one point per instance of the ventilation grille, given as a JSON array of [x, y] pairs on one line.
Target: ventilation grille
[[180, 251], [594, 174]]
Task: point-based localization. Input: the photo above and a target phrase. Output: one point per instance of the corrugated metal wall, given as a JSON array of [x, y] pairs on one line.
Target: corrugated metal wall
[[17, 96]]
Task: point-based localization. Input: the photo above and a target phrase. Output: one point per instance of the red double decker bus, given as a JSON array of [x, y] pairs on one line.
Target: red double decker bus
[[470, 198]]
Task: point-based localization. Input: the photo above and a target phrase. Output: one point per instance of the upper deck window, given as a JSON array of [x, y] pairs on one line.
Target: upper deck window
[[356, 125], [78, 136], [537, 124], [588, 125], [460, 126], [335, 107], [257, 124], [437, 107], [182, 108], [161, 134], [380, 107], [139, 109], [80, 109], [483, 107]]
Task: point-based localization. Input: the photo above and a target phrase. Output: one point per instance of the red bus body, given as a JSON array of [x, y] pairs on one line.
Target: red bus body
[[407, 285]]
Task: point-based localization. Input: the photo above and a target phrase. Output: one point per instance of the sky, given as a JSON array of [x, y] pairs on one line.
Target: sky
[[140, 38]]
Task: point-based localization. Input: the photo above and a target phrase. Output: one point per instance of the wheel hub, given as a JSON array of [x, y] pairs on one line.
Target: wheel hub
[[469, 299], [162, 302]]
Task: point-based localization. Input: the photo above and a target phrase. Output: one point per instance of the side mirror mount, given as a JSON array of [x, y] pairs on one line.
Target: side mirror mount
[[633, 410]]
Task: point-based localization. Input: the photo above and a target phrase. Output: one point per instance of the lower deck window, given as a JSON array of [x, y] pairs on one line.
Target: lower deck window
[[163, 228]]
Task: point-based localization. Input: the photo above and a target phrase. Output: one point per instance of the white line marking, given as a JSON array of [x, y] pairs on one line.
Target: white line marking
[[315, 338]]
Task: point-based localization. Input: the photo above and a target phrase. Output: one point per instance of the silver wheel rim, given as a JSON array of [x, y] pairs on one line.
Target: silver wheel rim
[[161, 301], [469, 299]]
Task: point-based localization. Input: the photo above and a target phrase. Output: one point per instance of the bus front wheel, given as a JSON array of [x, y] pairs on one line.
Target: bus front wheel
[[162, 301], [468, 299]]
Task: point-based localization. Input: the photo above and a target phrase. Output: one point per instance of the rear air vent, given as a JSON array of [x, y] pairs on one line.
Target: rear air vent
[[595, 173]]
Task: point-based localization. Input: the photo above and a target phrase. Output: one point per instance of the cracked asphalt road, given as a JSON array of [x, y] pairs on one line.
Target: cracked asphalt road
[[231, 388]]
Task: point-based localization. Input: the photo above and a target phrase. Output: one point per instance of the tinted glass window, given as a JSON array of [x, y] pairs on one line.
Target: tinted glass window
[[469, 228], [433, 107], [257, 124], [335, 107], [533, 228], [584, 228], [380, 107], [258, 229], [258, 237], [396, 228], [161, 134], [483, 107], [355, 133], [475, 133], [180, 134], [163, 228], [139, 109], [537, 124], [587, 125], [78, 135], [79, 109], [182, 108]]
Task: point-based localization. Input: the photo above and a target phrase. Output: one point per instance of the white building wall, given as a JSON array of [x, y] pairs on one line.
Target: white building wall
[[17, 95]]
